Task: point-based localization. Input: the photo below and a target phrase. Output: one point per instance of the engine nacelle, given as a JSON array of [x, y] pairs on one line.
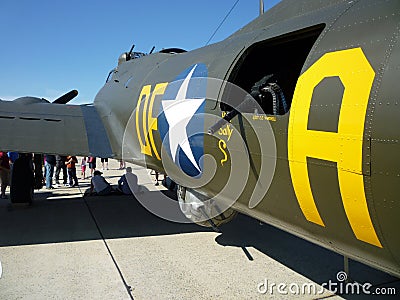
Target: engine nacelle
[[202, 210]]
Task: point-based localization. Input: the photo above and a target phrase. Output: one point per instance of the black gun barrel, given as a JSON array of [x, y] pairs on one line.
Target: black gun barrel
[[230, 115]]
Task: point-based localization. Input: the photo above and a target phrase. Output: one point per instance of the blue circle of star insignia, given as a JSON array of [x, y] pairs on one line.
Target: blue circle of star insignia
[[181, 123]]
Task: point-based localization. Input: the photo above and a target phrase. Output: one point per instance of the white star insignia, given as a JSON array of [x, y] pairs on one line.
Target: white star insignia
[[179, 112]]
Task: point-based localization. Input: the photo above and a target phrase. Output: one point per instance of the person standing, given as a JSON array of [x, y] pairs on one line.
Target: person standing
[[104, 162], [12, 158], [38, 170], [60, 165], [22, 180], [71, 167], [92, 164], [122, 164], [83, 167], [4, 173], [157, 174], [49, 164]]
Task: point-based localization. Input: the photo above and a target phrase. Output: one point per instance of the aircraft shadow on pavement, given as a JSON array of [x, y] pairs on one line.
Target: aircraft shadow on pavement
[[312, 261], [54, 219]]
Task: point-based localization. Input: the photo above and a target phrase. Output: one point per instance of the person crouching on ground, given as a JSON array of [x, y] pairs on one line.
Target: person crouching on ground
[[99, 185], [128, 183]]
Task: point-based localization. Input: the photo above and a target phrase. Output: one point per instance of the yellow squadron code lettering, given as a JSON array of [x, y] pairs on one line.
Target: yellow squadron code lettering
[[343, 147], [149, 123]]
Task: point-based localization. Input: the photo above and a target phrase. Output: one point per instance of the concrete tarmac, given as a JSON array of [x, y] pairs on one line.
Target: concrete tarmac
[[67, 246]]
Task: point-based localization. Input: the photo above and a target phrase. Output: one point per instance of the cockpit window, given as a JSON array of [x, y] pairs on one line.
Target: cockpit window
[[135, 55]]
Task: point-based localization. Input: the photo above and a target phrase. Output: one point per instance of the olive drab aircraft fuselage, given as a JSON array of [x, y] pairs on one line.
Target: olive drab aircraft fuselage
[[330, 138]]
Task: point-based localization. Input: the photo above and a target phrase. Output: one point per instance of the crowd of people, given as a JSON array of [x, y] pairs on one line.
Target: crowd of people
[[66, 164], [50, 169]]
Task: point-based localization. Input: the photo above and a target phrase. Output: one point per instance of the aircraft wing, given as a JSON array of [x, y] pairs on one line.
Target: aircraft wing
[[34, 126]]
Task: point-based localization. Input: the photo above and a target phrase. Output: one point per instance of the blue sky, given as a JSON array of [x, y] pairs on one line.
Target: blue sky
[[51, 47]]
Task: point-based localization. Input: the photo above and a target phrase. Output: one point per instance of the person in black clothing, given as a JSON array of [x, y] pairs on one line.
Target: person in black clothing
[[22, 180], [60, 165]]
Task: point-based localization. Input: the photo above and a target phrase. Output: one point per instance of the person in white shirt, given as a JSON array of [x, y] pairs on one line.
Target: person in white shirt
[[99, 185]]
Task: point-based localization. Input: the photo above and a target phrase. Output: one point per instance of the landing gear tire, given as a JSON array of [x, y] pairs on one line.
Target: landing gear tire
[[202, 210]]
